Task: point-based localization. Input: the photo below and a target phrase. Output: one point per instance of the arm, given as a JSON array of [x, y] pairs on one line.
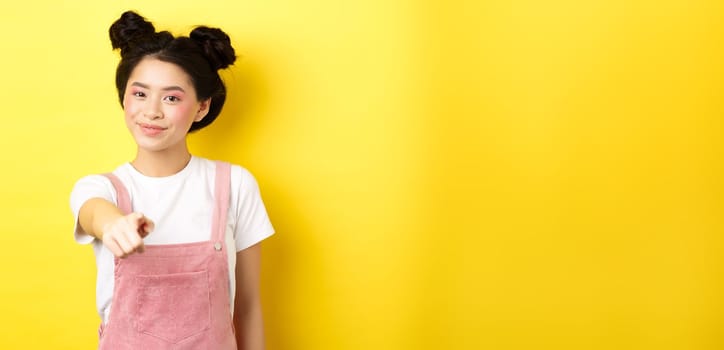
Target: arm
[[121, 234], [248, 320]]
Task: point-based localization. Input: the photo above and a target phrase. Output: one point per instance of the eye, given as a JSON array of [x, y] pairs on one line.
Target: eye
[[138, 94], [172, 99]]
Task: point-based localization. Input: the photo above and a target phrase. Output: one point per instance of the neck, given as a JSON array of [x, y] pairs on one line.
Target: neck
[[161, 163]]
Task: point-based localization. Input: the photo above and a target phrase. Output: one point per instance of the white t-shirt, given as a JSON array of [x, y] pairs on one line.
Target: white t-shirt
[[181, 207]]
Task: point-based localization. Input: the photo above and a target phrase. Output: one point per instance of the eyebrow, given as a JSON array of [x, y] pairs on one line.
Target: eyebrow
[[167, 88]]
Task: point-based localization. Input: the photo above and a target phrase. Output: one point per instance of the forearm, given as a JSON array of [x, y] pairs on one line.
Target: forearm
[[95, 214], [249, 325]]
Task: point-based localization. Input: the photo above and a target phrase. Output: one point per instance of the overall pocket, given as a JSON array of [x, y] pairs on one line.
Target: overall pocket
[[173, 307]]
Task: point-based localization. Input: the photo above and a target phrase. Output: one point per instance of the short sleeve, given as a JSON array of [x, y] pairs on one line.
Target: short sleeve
[[92, 186], [252, 221]]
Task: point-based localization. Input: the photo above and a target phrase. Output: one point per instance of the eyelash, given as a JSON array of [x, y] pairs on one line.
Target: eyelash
[[172, 99]]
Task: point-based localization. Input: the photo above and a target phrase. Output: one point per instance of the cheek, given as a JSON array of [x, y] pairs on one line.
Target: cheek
[[185, 111], [129, 105]]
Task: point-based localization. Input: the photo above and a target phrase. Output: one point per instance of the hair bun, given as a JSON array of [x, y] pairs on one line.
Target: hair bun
[[128, 28], [216, 45]]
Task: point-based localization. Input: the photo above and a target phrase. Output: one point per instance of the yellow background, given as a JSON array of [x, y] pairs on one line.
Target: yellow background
[[441, 174]]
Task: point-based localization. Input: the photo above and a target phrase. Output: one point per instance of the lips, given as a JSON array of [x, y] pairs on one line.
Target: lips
[[150, 129]]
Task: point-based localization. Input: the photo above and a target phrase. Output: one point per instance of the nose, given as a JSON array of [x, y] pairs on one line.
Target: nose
[[152, 110]]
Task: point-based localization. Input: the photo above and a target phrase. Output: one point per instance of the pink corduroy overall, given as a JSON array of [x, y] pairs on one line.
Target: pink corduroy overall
[[173, 296]]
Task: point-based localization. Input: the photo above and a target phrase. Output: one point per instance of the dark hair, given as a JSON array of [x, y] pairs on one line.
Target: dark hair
[[200, 55]]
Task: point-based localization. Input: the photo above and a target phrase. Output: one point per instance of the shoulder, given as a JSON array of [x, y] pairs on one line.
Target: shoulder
[[91, 180], [241, 177], [122, 172], [92, 183], [98, 183], [91, 186], [243, 181]]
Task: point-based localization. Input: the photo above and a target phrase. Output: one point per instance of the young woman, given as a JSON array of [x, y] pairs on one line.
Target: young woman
[[176, 237]]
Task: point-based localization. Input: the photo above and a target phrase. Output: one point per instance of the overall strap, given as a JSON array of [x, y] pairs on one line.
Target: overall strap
[[222, 187], [124, 200]]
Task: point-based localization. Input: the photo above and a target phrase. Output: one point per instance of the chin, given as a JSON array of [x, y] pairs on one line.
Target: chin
[[155, 145], [151, 146]]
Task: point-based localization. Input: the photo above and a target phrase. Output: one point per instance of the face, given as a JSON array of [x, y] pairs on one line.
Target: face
[[160, 104]]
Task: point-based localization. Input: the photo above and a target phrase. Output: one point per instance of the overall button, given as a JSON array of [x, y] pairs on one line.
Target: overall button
[[217, 246]]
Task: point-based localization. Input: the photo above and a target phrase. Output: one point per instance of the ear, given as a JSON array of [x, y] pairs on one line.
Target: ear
[[203, 110]]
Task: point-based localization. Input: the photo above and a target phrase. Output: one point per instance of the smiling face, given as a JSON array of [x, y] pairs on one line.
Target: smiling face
[[160, 105]]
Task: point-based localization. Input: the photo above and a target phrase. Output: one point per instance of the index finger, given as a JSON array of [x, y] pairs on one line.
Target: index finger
[[145, 226]]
